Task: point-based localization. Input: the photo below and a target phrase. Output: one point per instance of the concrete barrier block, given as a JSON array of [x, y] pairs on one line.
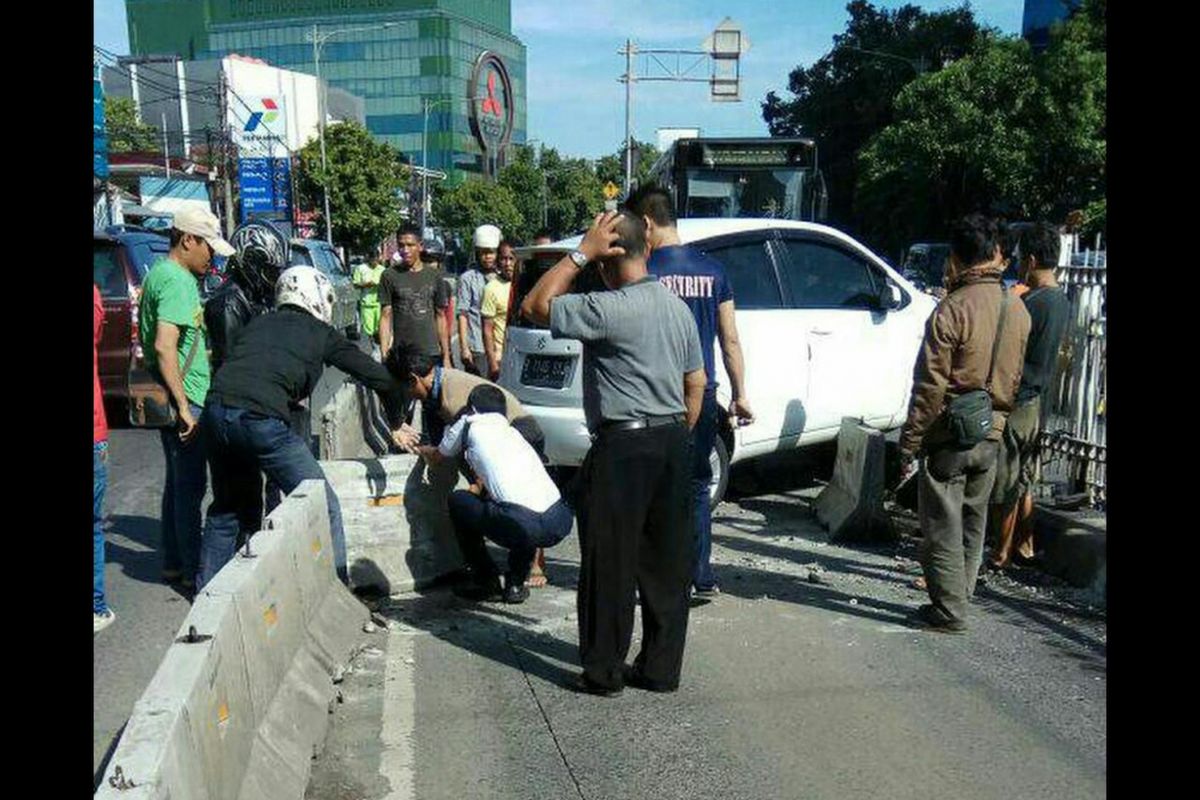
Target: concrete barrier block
[[851, 506], [270, 615], [293, 732], [219, 710], [157, 757], [336, 626], [304, 522], [346, 426], [398, 532], [1074, 546]]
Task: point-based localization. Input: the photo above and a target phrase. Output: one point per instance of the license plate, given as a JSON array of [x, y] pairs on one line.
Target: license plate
[[547, 372]]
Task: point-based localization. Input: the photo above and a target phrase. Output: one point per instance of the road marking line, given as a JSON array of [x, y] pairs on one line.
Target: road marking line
[[396, 759]]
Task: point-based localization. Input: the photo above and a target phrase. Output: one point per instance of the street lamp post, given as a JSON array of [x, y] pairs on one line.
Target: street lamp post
[[319, 40]]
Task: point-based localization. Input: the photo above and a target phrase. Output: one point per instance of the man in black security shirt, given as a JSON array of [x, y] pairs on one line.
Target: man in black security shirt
[[1011, 512], [273, 364]]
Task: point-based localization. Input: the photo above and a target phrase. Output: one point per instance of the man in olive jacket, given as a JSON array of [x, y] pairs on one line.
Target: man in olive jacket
[[955, 484]]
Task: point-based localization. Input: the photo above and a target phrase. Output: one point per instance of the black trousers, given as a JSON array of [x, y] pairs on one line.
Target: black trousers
[[635, 530]]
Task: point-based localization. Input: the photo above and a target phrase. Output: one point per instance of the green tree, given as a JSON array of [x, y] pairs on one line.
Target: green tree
[[846, 96], [524, 178], [612, 167], [574, 193], [365, 179], [1001, 127], [475, 202], [127, 134], [961, 141]]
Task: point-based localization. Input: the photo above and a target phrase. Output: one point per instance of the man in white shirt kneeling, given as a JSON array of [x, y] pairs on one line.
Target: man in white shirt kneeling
[[512, 501]]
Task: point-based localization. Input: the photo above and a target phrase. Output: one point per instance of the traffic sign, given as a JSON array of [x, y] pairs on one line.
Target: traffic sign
[[611, 190]]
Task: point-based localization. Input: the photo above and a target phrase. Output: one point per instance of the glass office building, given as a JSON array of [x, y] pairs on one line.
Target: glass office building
[[427, 53]]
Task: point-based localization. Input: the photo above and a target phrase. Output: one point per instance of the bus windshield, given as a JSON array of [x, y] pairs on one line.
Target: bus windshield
[[774, 193]]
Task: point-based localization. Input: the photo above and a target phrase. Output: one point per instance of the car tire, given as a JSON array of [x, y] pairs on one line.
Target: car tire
[[720, 465]]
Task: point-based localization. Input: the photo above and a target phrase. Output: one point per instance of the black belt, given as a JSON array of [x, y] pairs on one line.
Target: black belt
[[644, 422]]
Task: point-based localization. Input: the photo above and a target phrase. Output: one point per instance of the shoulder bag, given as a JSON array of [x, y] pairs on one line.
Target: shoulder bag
[[969, 415], [150, 401]]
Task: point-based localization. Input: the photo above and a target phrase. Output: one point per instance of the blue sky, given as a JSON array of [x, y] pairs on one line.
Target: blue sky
[[576, 103]]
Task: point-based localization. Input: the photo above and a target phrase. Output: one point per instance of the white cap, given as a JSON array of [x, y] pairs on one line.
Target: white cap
[[203, 223], [487, 237]]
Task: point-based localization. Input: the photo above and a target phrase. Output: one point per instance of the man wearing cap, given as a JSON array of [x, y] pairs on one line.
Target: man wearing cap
[[175, 349], [470, 299]]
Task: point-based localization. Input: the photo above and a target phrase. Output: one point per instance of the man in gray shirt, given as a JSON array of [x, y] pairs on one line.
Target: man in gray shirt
[[470, 296], [643, 384]]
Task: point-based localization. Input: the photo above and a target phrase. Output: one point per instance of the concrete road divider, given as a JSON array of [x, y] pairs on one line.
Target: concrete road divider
[[851, 506], [398, 533], [240, 701]]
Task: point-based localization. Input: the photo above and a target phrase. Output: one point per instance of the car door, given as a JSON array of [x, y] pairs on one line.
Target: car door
[[772, 339], [109, 273], [835, 291]]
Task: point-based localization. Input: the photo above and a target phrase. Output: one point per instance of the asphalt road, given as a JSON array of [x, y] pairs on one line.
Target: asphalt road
[[126, 654], [801, 681]]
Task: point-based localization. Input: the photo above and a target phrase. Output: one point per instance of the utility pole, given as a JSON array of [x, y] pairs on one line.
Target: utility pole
[[225, 152], [321, 131], [628, 79], [166, 153]]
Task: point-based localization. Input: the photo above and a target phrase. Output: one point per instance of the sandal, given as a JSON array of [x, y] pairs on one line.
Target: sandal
[[537, 575]]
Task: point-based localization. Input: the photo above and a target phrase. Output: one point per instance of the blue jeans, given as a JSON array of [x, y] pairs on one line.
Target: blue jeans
[[514, 527], [183, 492], [99, 485], [241, 444], [705, 437]]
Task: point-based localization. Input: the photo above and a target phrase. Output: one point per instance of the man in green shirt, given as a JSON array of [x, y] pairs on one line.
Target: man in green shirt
[[175, 349], [366, 280]]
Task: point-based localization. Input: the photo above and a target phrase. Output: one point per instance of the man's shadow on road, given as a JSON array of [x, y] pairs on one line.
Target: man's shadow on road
[[142, 565]]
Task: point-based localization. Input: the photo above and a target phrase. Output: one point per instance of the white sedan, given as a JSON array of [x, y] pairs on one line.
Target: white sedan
[[828, 330]]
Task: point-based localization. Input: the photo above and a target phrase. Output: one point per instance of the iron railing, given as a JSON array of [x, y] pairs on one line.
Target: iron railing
[[1074, 453]]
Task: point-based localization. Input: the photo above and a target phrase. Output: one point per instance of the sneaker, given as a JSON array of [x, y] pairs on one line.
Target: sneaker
[[710, 593], [100, 621], [930, 619]]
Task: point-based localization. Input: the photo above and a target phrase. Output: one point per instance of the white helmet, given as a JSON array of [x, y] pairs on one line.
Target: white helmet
[[307, 289], [487, 237]]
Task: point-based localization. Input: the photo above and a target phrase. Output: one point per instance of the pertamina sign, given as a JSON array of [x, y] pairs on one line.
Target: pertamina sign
[[261, 127], [491, 105]]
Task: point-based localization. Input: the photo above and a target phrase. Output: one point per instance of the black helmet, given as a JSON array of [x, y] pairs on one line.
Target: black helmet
[[433, 249], [262, 253]]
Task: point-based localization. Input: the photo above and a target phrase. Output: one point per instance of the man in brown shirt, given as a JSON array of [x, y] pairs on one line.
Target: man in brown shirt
[[956, 358]]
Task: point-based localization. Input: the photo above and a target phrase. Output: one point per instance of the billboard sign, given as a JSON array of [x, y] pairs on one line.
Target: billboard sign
[[99, 133], [265, 188]]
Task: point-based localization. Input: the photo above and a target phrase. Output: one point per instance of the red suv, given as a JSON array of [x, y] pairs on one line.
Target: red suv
[[121, 257]]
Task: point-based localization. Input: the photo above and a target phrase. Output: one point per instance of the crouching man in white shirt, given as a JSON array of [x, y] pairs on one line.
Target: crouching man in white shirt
[[513, 502]]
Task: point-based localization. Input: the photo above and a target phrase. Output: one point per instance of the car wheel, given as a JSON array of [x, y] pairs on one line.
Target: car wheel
[[719, 460]]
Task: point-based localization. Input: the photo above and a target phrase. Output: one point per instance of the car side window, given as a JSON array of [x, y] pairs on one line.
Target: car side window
[[822, 275], [107, 272], [750, 271]]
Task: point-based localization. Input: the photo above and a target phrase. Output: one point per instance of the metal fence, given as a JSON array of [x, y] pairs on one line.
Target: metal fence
[[1074, 454]]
